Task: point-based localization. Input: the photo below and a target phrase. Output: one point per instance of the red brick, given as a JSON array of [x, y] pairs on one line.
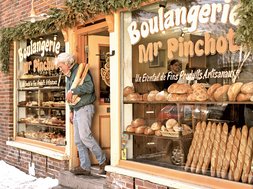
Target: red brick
[[149, 185], [139, 182]]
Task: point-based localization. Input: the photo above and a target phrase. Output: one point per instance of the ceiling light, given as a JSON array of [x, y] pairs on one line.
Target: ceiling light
[[33, 17]]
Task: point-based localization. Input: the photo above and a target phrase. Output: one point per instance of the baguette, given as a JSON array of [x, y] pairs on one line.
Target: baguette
[[216, 145], [222, 149], [204, 147], [250, 176], [234, 154], [193, 146], [241, 154], [248, 157], [226, 160], [207, 158], [198, 147]]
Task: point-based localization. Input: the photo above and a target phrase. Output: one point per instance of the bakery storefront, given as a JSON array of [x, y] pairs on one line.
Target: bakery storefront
[[197, 132], [40, 130]]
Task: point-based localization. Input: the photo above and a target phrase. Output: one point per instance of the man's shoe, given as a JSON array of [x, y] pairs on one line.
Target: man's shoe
[[80, 171], [102, 168]]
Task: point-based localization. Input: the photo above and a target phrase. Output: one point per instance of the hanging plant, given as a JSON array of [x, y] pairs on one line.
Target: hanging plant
[[245, 28]]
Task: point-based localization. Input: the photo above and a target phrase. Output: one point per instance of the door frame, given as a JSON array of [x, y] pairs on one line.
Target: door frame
[[81, 33]]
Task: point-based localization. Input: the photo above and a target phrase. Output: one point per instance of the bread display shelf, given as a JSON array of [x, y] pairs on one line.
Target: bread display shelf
[[43, 107], [44, 125], [181, 137], [185, 103], [41, 88]]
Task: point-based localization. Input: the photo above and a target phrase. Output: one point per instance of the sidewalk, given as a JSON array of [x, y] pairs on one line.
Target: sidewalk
[[13, 178]]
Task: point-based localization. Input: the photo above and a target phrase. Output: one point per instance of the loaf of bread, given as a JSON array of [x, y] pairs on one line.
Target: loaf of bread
[[156, 126], [198, 147], [250, 176], [177, 97], [247, 88], [170, 123], [212, 89], [241, 154], [241, 97], [197, 86], [149, 131], [207, 158], [222, 149], [234, 154], [200, 94], [158, 133], [248, 157], [220, 94], [191, 98], [134, 97], [179, 88], [226, 160], [216, 146], [161, 96], [128, 90], [152, 95], [234, 90], [193, 146], [138, 122], [204, 147], [140, 129], [130, 129]]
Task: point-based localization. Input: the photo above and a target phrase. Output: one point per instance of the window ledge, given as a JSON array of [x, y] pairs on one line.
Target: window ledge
[[152, 178], [38, 150]]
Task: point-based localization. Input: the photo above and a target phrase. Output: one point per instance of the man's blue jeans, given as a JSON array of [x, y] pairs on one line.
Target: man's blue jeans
[[84, 139]]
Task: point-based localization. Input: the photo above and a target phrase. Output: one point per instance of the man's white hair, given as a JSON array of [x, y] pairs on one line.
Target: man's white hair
[[65, 58]]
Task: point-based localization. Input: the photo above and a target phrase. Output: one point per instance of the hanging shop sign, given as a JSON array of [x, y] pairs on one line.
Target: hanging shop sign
[[181, 16]]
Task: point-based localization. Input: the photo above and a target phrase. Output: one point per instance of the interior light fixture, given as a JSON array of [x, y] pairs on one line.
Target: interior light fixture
[[33, 17]]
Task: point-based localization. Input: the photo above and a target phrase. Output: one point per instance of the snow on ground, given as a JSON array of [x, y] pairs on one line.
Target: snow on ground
[[13, 178]]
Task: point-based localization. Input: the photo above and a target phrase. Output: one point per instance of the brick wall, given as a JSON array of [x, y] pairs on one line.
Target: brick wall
[[12, 11], [117, 181]]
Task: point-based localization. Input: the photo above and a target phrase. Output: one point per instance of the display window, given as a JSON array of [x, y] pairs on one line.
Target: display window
[[187, 89], [40, 92]]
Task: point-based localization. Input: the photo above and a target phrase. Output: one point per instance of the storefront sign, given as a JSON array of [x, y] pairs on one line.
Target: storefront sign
[[181, 16], [41, 83], [38, 66], [41, 47], [193, 75]]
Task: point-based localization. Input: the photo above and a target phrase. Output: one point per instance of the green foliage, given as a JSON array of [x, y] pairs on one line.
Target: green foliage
[[244, 33], [76, 11]]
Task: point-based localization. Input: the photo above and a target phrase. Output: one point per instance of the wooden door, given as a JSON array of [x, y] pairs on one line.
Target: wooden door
[[98, 46]]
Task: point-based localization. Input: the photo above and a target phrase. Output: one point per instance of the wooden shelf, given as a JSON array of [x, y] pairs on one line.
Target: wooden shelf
[[42, 77], [44, 125], [43, 107], [185, 103], [41, 88], [183, 137]]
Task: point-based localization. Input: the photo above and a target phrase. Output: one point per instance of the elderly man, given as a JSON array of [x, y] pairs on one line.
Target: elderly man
[[81, 115]]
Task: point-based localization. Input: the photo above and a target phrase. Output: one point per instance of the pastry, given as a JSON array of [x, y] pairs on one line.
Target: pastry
[[193, 146], [138, 122], [247, 88], [226, 160], [216, 146], [212, 89], [234, 154], [204, 147], [220, 93], [128, 90], [241, 154], [179, 88], [170, 123], [198, 146], [234, 90], [241, 97], [130, 129], [156, 126], [140, 129], [222, 149], [248, 157], [207, 158]]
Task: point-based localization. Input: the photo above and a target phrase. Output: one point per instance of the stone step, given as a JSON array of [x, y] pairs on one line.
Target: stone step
[[69, 180]]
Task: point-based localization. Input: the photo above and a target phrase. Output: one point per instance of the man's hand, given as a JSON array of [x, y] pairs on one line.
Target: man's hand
[[69, 96], [71, 116]]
